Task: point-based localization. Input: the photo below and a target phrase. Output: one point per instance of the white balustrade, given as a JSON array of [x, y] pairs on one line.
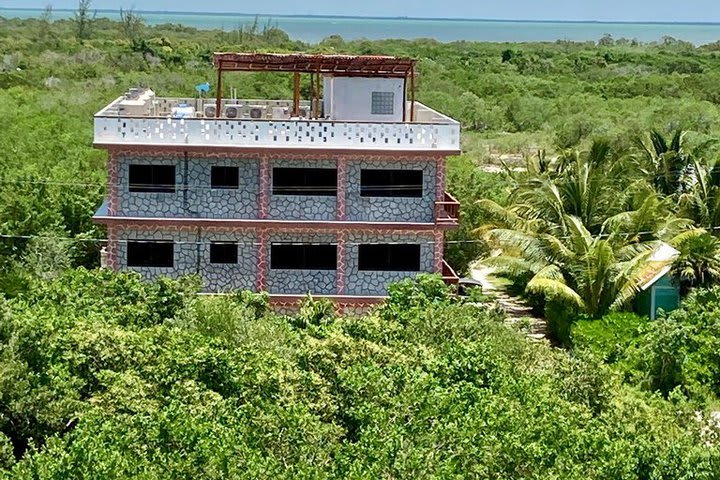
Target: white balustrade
[[442, 134]]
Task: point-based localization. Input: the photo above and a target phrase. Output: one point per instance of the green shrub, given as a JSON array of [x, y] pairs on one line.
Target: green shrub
[[683, 349], [216, 393], [257, 302], [609, 337], [314, 312]]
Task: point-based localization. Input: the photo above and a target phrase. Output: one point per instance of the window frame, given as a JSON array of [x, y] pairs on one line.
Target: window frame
[[233, 185], [376, 191], [382, 103], [302, 256], [303, 185], [235, 254], [153, 186], [369, 252], [131, 244]]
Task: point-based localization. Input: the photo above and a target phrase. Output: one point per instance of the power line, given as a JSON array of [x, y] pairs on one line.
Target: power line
[[210, 242], [206, 242], [191, 186]]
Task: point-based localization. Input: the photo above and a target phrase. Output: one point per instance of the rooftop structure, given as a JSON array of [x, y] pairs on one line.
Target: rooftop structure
[[343, 119], [354, 172]]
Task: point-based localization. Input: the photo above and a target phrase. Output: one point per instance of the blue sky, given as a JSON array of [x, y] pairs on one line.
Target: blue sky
[[601, 10]]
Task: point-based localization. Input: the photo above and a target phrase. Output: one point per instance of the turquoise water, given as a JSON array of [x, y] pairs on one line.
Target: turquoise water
[[314, 29]]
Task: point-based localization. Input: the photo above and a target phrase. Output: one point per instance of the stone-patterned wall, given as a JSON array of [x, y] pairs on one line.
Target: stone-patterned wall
[[253, 199], [368, 209], [227, 278], [185, 261], [149, 204], [321, 282], [205, 202], [192, 256], [376, 283], [199, 200], [302, 207]]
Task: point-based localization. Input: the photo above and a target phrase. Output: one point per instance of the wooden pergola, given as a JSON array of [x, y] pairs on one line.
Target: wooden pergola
[[317, 65]]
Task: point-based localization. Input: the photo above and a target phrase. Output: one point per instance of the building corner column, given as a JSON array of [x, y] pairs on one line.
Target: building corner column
[[112, 251], [113, 184], [440, 179], [439, 251]]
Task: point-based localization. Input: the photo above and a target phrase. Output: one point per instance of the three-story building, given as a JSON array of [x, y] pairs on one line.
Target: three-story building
[[337, 195]]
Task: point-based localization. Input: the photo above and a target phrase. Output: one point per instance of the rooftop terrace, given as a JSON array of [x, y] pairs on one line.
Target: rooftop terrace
[[365, 106]]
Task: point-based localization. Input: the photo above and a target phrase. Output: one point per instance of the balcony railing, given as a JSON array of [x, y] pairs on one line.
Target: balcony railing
[[449, 275], [447, 212], [432, 131]]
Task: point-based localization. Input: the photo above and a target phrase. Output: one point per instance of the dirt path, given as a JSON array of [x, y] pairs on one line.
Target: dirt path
[[518, 312]]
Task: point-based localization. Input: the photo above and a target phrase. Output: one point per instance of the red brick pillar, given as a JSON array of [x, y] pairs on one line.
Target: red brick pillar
[[439, 251], [341, 262], [113, 260], [440, 179], [262, 261], [264, 197], [113, 184], [342, 188]]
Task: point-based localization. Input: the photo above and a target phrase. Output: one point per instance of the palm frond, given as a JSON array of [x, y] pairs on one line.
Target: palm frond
[[555, 289], [512, 266], [579, 235], [512, 240]]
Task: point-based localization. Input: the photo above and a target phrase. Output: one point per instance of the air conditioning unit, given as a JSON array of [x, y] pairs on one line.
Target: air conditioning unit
[[232, 111], [280, 113], [209, 111], [303, 113], [257, 113]]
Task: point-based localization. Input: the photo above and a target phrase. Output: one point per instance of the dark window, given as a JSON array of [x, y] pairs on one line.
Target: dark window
[[391, 183], [152, 178], [389, 258], [150, 254], [303, 257], [223, 253], [383, 103], [305, 181], [225, 177]]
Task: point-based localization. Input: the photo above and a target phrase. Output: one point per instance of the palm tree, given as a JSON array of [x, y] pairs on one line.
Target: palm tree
[[593, 273], [699, 262], [702, 204], [668, 166], [577, 183]]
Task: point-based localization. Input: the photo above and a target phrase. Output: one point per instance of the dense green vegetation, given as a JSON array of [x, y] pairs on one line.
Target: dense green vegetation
[[511, 99], [675, 355], [102, 376], [578, 230]]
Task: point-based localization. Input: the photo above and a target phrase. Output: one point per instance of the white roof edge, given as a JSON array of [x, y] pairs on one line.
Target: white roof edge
[[665, 270]]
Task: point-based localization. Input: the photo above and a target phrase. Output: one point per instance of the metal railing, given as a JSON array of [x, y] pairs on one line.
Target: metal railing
[[449, 275], [447, 212]]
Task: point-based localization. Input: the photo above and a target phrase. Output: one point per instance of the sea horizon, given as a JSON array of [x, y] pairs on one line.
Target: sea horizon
[[314, 28], [373, 17]]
